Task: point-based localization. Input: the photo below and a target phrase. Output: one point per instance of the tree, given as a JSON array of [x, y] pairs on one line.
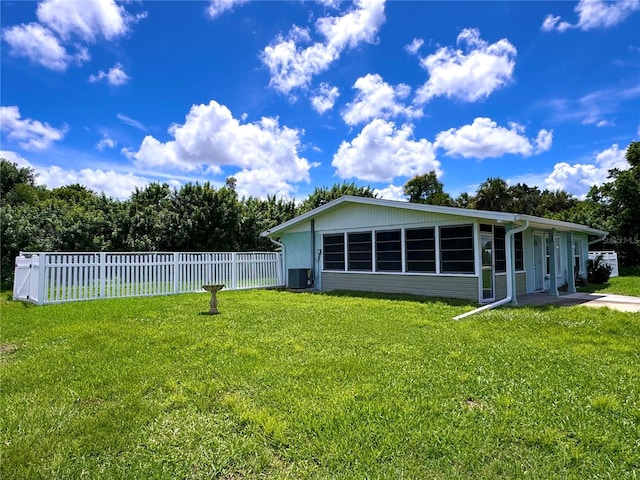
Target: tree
[[259, 215], [552, 204], [427, 189], [464, 200], [150, 224], [18, 184], [524, 199], [622, 195], [323, 195], [493, 195]]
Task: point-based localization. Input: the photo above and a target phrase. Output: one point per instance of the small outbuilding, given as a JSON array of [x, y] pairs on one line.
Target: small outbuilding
[[369, 244]]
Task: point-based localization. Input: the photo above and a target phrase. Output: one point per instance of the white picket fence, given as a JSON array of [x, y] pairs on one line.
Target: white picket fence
[[53, 277]]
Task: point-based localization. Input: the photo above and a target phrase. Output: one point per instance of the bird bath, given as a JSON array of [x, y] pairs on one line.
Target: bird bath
[[214, 299]]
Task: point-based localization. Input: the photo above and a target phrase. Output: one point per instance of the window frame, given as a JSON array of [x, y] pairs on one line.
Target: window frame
[[353, 253], [382, 252], [433, 240], [340, 253], [471, 239]]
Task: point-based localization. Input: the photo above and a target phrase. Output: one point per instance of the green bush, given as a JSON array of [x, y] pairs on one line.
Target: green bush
[[598, 271]]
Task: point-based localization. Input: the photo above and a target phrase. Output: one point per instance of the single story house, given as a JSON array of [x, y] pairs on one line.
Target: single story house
[[370, 244]]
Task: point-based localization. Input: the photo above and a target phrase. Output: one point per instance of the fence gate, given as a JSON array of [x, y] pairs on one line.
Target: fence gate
[[25, 283]]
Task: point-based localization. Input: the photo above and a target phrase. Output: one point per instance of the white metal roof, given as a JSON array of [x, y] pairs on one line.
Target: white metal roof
[[503, 217]]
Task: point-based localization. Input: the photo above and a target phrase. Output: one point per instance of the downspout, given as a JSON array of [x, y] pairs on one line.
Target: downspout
[[508, 253], [313, 252], [281, 245]]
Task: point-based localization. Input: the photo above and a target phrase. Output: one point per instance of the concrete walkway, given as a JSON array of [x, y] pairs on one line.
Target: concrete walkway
[[623, 303]]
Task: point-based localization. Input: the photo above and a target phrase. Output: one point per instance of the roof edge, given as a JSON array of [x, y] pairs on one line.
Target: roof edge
[[497, 216]]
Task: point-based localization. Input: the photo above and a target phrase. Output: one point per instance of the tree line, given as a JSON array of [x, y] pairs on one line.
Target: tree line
[[199, 217]]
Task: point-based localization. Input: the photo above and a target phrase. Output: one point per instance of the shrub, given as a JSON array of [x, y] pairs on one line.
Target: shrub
[[598, 271]]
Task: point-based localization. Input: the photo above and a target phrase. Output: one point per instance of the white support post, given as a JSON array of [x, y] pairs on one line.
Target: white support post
[[234, 271], [553, 275], [103, 274], [42, 262], [571, 272], [176, 272]]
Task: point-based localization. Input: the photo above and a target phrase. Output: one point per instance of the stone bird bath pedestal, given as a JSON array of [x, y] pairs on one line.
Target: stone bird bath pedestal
[[214, 299]]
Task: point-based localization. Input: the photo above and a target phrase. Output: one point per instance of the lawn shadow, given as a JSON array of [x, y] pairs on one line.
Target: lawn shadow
[[593, 287], [405, 297]]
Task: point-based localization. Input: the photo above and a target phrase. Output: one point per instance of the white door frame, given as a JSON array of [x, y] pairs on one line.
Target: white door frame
[[539, 261]]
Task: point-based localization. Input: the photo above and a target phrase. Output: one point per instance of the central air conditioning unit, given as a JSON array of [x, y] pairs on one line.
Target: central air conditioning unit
[[299, 278]]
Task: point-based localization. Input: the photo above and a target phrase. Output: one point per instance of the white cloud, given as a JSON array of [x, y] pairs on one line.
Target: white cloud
[[211, 138], [392, 192], [330, 3], [115, 76], [543, 141], [553, 23], [359, 25], [594, 120], [218, 7], [131, 122], [594, 14], [324, 98], [594, 107], [612, 158], [64, 25], [112, 183], [378, 99], [86, 20], [576, 179], [382, 152], [414, 46], [293, 67], [580, 177], [471, 74], [30, 134], [40, 45], [106, 142], [485, 139], [16, 158]]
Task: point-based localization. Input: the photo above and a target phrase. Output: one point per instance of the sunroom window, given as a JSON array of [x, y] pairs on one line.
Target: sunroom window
[[420, 247], [333, 246], [389, 251], [456, 249], [359, 251]]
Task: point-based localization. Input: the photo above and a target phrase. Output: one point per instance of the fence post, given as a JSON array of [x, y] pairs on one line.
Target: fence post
[[42, 262], [234, 270], [176, 272], [103, 274]]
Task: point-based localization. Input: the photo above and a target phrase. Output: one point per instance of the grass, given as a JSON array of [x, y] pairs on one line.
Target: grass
[[286, 385], [628, 283]]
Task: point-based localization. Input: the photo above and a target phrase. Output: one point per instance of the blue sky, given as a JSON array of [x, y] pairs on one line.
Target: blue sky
[[288, 96]]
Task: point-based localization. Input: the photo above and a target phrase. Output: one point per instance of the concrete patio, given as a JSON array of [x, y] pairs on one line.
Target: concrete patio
[[623, 303]]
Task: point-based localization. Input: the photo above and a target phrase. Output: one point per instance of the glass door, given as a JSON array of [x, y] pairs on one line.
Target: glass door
[[486, 246]]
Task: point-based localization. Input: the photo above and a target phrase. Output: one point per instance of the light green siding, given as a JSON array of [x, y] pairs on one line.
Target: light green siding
[[501, 286], [348, 217], [464, 287], [297, 251]]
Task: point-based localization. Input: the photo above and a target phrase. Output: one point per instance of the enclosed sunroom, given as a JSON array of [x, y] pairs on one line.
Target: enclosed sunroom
[[366, 244]]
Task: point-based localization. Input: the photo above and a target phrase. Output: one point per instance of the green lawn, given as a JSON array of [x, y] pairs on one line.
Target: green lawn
[[286, 385], [628, 283]]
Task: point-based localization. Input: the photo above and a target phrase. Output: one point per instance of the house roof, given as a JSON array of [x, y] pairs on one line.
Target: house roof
[[503, 217]]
